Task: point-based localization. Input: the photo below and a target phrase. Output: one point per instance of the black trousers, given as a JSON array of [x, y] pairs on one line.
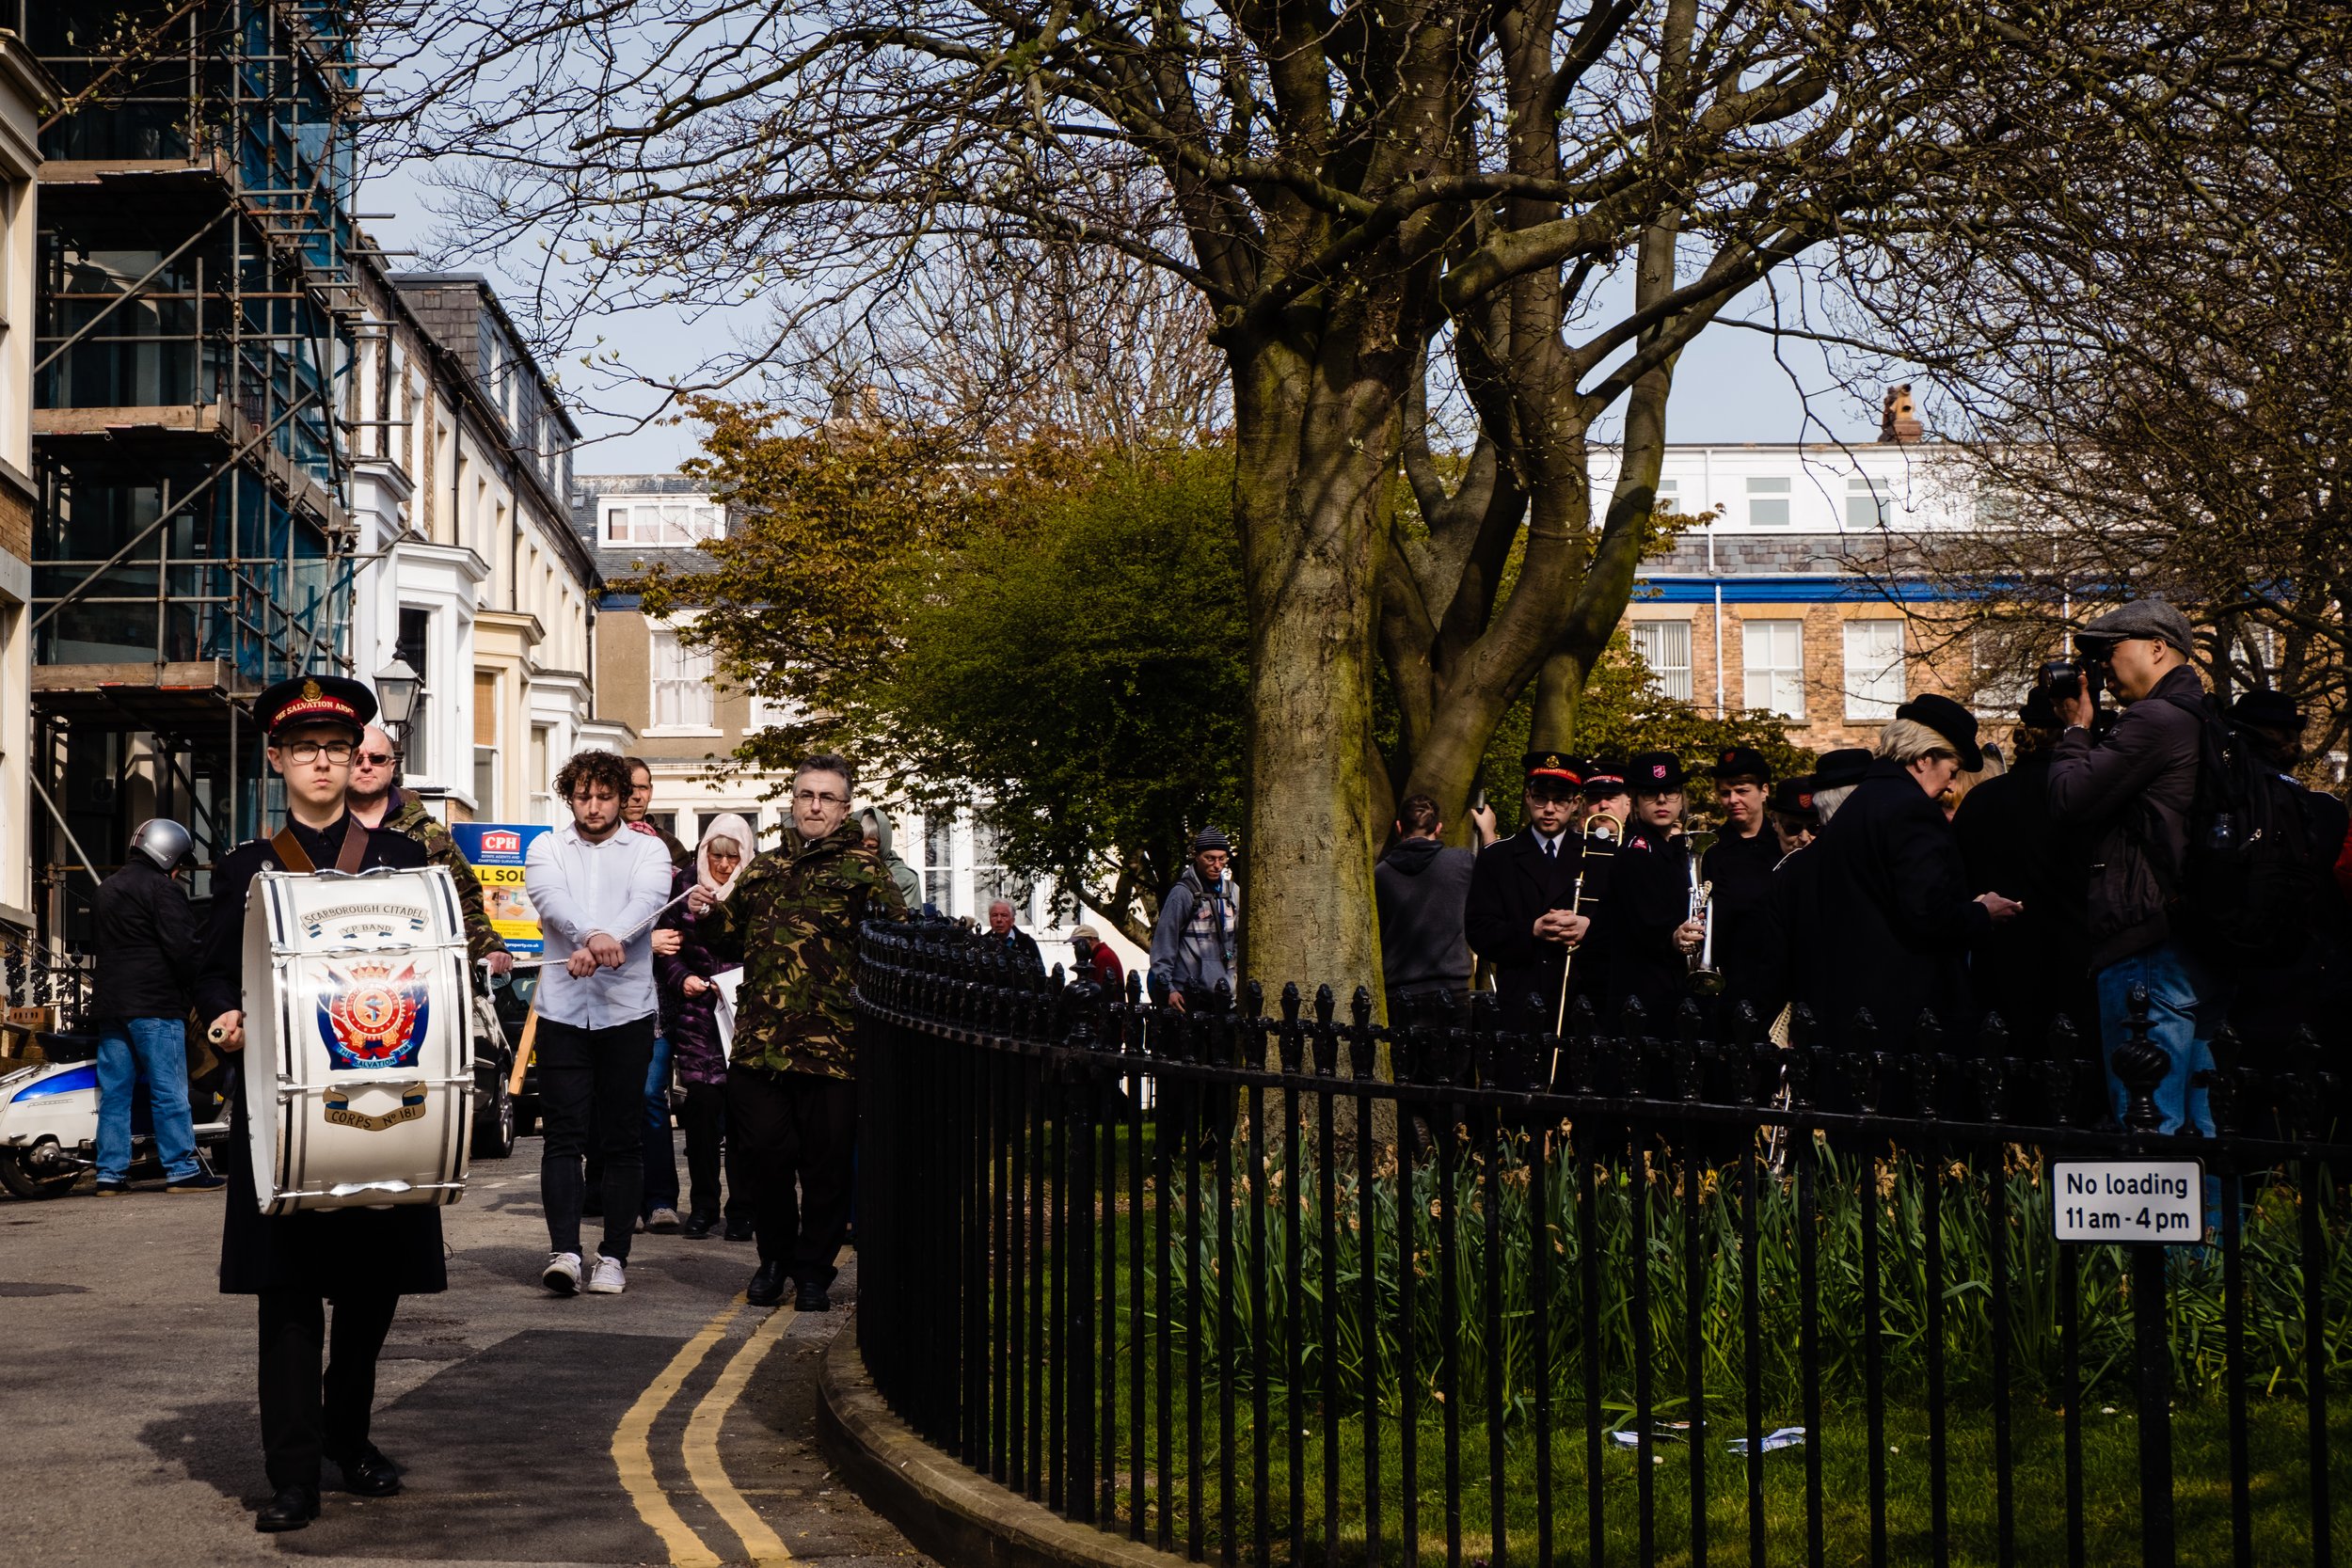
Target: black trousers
[[592, 1084], [703, 1116], [792, 1134], [307, 1417]]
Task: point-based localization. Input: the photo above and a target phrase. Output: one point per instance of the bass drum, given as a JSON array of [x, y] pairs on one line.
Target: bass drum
[[358, 1077]]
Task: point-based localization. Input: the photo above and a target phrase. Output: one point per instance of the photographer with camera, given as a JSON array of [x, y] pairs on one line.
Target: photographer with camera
[[2132, 788]]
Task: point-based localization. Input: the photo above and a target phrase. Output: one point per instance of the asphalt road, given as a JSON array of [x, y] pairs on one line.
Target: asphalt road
[[669, 1424]]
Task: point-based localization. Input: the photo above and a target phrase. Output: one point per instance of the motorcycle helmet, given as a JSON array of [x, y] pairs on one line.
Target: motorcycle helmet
[[162, 841]]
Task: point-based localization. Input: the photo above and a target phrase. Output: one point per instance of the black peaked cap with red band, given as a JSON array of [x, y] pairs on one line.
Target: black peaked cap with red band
[[1556, 766], [315, 699]]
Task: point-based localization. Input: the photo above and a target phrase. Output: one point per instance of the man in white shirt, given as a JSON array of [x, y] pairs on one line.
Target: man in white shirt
[[596, 890]]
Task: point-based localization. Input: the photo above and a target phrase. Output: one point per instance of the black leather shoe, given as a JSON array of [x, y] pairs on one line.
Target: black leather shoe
[[812, 1298], [292, 1508], [698, 1227], [369, 1474], [767, 1285], [738, 1230]]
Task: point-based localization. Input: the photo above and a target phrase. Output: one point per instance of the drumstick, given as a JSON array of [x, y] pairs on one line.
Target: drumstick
[[522, 1051]]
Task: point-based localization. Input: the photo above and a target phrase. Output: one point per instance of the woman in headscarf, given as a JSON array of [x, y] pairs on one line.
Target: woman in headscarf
[[690, 999]]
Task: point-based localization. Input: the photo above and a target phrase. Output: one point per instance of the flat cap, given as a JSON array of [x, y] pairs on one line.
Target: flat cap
[[2146, 618]]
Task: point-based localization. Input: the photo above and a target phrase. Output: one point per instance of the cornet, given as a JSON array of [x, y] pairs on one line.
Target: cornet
[[1705, 979]]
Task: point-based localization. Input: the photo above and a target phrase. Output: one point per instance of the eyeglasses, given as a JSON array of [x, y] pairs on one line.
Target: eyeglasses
[[307, 751], [376, 759], [817, 797]]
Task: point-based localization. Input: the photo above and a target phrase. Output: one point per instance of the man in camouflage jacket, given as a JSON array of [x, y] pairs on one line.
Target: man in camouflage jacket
[[375, 803], [793, 917]]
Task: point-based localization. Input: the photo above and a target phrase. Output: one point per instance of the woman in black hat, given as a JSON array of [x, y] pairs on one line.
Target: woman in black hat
[[1899, 918], [362, 1260]]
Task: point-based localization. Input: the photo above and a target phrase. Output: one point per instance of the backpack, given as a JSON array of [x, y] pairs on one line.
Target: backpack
[[2244, 893]]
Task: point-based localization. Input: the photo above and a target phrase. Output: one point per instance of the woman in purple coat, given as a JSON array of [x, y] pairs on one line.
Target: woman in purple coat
[[690, 1002]]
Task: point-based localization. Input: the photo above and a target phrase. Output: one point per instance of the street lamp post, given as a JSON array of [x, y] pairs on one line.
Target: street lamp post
[[396, 690]]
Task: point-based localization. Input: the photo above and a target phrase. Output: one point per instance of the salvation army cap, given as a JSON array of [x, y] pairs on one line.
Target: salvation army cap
[[1840, 768], [1604, 776], [315, 699], [1949, 720], [1794, 796], [1556, 766], [1654, 773], [1734, 762]]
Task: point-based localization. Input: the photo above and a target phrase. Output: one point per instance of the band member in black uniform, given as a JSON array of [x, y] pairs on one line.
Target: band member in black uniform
[[1894, 889], [1604, 792], [1645, 928], [362, 1260], [1739, 865], [1793, 815], [1796, 946], [1519, 916], [2035, 968]]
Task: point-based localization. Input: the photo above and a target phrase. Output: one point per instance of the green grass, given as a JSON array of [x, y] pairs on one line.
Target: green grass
[[1708, 1224]]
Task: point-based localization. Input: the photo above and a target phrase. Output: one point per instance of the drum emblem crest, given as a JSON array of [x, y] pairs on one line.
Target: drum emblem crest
[[373, 1017]]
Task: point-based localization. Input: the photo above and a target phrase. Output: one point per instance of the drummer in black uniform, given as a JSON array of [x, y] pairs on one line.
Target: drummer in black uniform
[[1519, 916], [362, 1260], [1740, 865]]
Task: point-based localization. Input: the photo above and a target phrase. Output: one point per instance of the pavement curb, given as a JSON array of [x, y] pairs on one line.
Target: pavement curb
[[962, 1519]]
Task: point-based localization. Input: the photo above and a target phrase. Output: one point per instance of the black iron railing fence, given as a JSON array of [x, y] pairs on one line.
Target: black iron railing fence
[[1225, 1283]]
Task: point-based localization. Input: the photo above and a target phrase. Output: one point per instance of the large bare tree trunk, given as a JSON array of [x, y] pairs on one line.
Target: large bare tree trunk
[[1311, 483]]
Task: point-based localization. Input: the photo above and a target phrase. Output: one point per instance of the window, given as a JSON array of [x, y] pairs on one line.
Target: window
[[1665, 647], [412, 645], [1874, 669], [990, 879], [681, 684], [1768, 503], [938, 862], [487, 733], [1866, 501], [770, 712], [1774, 655], [542, 776], [669, 523]]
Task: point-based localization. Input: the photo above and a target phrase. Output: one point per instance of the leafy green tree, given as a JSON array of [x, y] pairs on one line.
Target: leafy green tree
[[1089, 671], [1062, 632]]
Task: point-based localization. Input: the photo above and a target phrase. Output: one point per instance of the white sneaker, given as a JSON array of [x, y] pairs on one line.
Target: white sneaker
[[609, 1279], [562, 1275]]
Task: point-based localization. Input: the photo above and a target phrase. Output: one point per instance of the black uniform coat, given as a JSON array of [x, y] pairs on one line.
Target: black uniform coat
[[2036, 967], [1899, 915], [1741, 870], [1649, 898], [1513, 882], [341, 1251], [1793, 952]]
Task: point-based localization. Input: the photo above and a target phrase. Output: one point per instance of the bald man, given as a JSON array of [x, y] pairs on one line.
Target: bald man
[[374, 800]]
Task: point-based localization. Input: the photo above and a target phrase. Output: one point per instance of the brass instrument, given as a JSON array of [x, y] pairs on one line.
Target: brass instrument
[[1602, 835], [1705, 979]]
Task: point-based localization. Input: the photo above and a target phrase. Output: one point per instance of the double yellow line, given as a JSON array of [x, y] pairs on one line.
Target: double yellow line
[[632, 1443]]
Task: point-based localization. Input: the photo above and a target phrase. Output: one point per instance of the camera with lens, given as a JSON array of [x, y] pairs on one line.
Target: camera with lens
[[2064, 677]]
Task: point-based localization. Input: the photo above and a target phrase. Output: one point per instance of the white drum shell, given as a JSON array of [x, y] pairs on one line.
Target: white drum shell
[[334, 1129]]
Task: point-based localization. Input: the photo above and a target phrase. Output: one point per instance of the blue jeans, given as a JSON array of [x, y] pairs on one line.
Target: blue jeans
[[660, 1148], [2187, 1004], [156, 1049]]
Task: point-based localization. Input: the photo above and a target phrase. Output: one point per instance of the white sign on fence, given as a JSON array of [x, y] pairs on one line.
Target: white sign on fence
[[2129, 1200]]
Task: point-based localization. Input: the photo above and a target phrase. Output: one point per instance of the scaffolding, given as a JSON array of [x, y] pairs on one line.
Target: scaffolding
[[197, 321]]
